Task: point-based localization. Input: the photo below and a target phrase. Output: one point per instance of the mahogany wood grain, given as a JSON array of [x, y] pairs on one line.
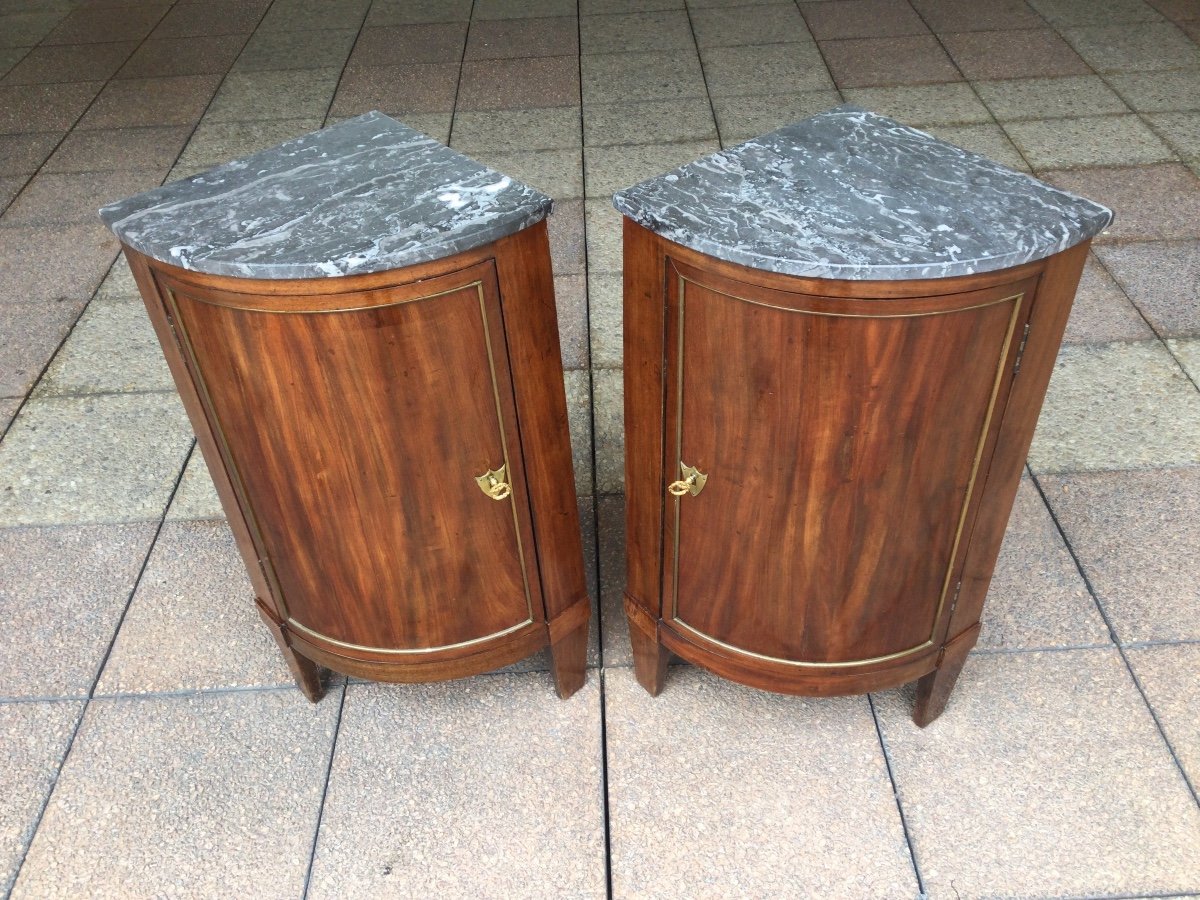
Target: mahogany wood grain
[[344, 421], [862, 442]]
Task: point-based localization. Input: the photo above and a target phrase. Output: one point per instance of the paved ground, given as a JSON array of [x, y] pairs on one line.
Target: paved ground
[[152, 745]]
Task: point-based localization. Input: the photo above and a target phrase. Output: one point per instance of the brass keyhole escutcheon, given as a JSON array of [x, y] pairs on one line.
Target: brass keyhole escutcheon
[[494, 483], [692, 482]]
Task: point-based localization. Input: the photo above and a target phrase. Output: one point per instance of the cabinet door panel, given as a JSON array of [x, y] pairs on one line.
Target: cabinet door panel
[[841, 441], [360, 424]]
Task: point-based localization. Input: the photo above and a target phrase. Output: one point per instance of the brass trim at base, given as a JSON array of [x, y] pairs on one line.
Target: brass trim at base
[[293, 625]]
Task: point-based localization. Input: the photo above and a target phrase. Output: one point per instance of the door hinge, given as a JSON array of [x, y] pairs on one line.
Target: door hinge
[[1021, 349], [954, 599]]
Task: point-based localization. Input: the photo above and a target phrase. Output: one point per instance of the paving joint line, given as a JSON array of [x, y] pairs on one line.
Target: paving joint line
[[712, 108], [337, 731], [887, 761], [462, 64], [1137, 683], [345, 63]]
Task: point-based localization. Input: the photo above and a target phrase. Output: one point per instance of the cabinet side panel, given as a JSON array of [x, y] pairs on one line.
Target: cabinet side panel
[[1047, 322], [644, 312], [357, 436], [526, 285]]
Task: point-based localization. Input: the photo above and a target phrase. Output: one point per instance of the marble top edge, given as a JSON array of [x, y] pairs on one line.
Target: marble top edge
[[365, 195], [853, 195]]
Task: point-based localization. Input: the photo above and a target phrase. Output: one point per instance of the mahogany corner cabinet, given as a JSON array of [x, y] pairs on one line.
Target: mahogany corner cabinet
[[361, 324], [838, 338]]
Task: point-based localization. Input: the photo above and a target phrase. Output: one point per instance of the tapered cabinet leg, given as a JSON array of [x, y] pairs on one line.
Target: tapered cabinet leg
[[933, 691], [568, 661], [650, 660], [306, 672]]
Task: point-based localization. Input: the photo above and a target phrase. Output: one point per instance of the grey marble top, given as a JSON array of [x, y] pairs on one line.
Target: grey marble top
[[367, 195], [852, 195]]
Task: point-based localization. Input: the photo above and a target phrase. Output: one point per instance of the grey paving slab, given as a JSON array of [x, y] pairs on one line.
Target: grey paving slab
[[29, 335], [642, 31], [746, 71], [8, 409], [1151, 203], [1090, 141], [118, 285], [1188, 354], [212, 17], [26, 28], [35, 738], [183, 56], [210, 795], [631, 77], [1142, 47], [22, 154], [987, 140], [53, 198], [515, 130], [44, 107], [611, 169], [153, 148], [556, 173], [10, 56], [567, 254], [922, 105], [1095, 12], [1170, 676], [648, 122], [610, 513], [62, 592], [399, 12], [395, 45], [977, 15], [868, 62], [54, 264], [484, 787], [1117, 406], [193, 624], [214, 143], [608, 400], [579, 419], [605, 318], [301, 15], [1181, 130], [742, 118], [519, 9], [717, 790], [1039, 52], [177, 100], [1163, 279], [93, 26], [1159, 91], [396, 90], [1049, 98], [734, 27], [1102, 312], [1045, 777], [195, 498], [288, 94], [1135, 535], [862, 19], [83, 460], [77, 62], [603, 236], [296, 49], [519, 83], [514, 38], [609, 7], [570, 295], [1037, 597]]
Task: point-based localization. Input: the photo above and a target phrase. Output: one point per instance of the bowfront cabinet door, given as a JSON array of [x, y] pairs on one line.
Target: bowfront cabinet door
[[822, 460], [372, 439]]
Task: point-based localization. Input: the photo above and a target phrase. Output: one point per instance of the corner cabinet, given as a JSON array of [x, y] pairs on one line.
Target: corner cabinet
[[390, 446], [837, 339]]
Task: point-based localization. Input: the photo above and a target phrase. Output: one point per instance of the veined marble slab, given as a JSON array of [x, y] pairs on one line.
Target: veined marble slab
[[367, 195], [852, 195]]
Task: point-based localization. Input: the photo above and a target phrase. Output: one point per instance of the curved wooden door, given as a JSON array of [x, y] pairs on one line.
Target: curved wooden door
[[355, 425], [841, 440]]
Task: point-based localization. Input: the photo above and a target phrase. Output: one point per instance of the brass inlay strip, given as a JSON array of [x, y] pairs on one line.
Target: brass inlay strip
[[239, 486], [318, 312], [962, 517], [296, 626]]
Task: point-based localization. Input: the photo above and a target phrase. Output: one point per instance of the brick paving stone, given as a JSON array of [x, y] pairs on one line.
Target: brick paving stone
[[152, 148], [512, 38], [1101, 311], [1151, 203], [645, 31], [1091, 141], [1134, 47], [395, 45], [870, 62], [1049, 98], [519, 83], [732, 27], [862, 19], [1163, 279], [77, 62], [1009, 54]]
